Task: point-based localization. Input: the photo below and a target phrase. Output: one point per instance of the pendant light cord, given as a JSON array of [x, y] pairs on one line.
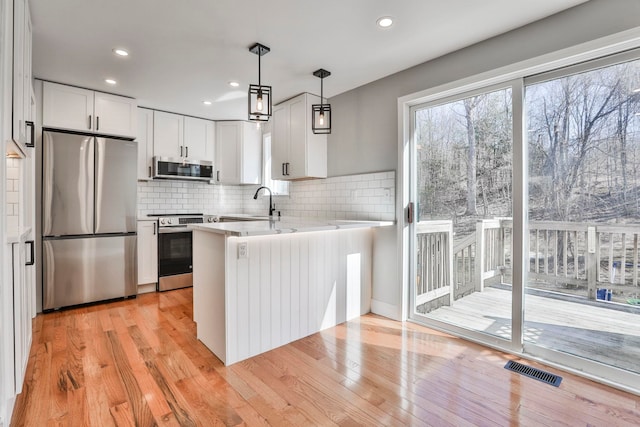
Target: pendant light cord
[[259, 81]]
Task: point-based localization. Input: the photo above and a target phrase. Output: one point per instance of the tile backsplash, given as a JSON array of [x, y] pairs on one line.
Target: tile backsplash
[[13, 195], [188, 197], [366, 197]]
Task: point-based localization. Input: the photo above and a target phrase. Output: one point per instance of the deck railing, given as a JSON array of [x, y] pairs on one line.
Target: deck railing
[[494, 260], [584, 256], [577, 258], [434, 269]]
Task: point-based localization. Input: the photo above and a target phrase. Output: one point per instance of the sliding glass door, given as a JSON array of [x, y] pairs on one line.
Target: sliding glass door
[[463, 172], [526, 232], [584, 211]]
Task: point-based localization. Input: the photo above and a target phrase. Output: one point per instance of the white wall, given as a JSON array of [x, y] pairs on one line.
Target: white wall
[[364, 137]]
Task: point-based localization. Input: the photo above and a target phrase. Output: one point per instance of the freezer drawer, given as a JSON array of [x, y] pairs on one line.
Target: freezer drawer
[[82, 270]]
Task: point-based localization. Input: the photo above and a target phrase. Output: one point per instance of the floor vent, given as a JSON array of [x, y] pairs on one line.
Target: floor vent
[[534, 373]]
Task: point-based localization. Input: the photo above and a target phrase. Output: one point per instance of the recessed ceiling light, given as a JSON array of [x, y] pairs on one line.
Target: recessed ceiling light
[[207, 102], [385, 22], [110, 81], [234, 84], [120, 52], [636, 90]]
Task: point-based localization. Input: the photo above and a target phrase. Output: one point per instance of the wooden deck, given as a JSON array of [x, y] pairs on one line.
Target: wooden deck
[[592, 332]]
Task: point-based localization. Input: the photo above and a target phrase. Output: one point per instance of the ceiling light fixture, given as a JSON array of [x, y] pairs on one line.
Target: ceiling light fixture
[[321, 113], [110, 81], [207, 102], [234, 83], [259, 95], [120, 52], [636, 90], [385, 22]]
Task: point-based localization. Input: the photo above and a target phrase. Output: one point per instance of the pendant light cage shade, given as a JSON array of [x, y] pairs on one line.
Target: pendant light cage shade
[[321, 118], [259, 105], [321, 113]]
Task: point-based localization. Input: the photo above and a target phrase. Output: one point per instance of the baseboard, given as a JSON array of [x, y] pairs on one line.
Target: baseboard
[[385, 309], [145, 289]]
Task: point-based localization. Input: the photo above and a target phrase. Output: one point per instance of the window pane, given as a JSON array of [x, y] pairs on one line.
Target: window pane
[[463, 181], [584, 214]]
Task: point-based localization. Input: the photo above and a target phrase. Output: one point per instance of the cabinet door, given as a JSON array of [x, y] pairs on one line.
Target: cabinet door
[[19, 12], [297, 139], [67, 107], [251, 163], [22, 314], [198, 138], [228, 152], [145, 144], [279, 141], [147, 252], [168, 134], [115, 115], [29, 134]]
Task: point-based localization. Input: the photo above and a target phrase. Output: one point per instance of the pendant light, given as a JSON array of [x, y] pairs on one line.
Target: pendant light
[[321, 113], [259, 95]]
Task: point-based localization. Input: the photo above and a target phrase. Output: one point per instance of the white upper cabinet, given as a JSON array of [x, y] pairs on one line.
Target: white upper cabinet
[[168, 134], [199, 138], [73, 108], [296, 152], [238, 153], [23, 131], [183, 136], [145, 144], [115, 115]]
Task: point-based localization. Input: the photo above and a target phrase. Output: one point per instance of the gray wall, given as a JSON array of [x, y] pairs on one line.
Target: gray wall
[[365, 129], [365, 120]]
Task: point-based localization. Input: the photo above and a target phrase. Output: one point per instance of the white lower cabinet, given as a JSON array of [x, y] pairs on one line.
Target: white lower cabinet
[[16, 322], [147, 253]]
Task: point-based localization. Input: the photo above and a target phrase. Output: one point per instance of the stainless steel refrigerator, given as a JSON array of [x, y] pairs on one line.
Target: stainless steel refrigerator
[[89, 187]]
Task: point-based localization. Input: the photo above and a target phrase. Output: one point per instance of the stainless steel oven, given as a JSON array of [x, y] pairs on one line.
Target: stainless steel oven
[[175, 250]]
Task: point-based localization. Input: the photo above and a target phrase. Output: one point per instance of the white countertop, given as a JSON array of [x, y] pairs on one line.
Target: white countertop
[[284, 225]]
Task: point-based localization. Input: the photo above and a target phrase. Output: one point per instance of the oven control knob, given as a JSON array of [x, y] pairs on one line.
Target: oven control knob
[[211, 219], [169, 221], [163, 221]]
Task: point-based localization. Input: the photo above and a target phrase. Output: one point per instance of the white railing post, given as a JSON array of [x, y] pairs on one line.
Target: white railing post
[[592, 261], [480, 256]]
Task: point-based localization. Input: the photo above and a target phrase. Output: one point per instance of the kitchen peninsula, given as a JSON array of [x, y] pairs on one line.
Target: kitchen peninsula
[[258, 285]]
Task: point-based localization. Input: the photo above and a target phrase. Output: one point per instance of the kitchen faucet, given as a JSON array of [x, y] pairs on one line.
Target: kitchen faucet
[[272, 208]]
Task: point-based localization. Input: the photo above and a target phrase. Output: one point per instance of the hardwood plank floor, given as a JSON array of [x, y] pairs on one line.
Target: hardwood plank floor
[[137, 362]]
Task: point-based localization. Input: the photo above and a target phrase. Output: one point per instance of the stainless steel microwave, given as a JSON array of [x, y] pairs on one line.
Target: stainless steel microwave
[[177, 168]]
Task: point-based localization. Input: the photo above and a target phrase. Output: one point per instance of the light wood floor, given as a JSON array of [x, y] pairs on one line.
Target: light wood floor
[[137, 362]]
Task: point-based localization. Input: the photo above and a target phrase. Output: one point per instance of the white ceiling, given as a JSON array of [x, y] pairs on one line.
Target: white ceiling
[[183, 52]]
